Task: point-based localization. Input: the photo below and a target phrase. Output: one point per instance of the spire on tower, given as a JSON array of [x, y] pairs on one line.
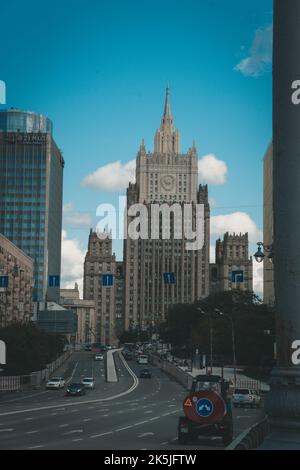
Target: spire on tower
[[167, 112]]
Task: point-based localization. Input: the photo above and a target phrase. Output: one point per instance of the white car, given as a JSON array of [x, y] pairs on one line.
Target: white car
[[55, 383], [142, 359], [246, 397], [88, 382]]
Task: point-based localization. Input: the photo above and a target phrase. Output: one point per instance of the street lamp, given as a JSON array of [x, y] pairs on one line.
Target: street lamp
[[233, 339], [210, 335], [260, 255]]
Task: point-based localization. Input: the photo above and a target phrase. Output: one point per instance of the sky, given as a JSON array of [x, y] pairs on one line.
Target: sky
[[99, 70]]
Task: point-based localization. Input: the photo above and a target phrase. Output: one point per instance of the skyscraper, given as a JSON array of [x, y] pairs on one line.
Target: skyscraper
[[164, 177], [233, 268], [103, 283], [31, 182]]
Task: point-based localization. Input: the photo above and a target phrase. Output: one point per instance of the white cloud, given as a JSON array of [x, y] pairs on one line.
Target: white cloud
[[72, 259], [111, 177], [211, 170], [74, 218], [238, 222], [260, 54], [258, 278]]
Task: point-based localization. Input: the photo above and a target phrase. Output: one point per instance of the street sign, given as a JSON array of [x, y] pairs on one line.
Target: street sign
[[54, 281], [107, 280], [205, 407], [4, 281], [169, 278], [237, 276]]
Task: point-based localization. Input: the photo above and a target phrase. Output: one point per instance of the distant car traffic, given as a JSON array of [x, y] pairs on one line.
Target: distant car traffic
[[246, 397], [98, 357], [88, 347], [128, 355], [88, 382], [75, 389], [55, 383], [145, 374]]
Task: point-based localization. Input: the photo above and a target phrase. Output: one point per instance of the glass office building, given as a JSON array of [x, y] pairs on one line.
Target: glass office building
[[31, 183]]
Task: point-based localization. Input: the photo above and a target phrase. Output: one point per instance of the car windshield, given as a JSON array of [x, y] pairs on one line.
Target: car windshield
[[75, 385], [88, 380], [55, 379], [242, 391]]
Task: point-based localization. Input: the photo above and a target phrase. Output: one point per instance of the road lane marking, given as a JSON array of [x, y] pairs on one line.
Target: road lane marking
[[28, 419], [87, 419], [32, 432], [67, 381], [147, 412], [123, 429], [164, 443], [7, 430], [75, 431], [24, 398], [35, 447], [146, 434], [100, 435], [76, 440], [63, 425], [156, 417], [141, 422]]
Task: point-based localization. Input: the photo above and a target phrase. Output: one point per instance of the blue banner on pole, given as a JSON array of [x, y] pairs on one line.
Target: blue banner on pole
[[237, 276], [54, 281], [169, 278], [4, 281], [107, 280]]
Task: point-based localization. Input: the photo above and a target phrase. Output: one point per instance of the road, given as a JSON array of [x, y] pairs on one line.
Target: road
[[130, 414]]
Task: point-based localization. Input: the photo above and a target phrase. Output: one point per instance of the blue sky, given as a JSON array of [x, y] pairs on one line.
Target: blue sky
[[99, 71]]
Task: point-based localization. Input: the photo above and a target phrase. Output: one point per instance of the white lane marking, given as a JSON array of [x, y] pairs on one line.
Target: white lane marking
[[156, 417], [7, 430], [67, 381], [100, 400], [63, 425], [99, 435], [145, 434], [27, 419], [32, 432], [73, 411], [76, 440], [141, 422], [147, 412], [123, 429], [169, 406], [87, 419], [35, 447], [75, 431], [164, 443], [105, 416], [91, 407]]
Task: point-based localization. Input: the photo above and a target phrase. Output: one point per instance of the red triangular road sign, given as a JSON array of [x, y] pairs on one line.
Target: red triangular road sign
[[188, 402]]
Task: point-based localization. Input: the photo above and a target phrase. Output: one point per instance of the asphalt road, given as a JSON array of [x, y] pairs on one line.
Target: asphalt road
[[130, 414]]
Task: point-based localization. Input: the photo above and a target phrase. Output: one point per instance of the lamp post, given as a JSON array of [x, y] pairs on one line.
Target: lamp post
[[232, 338], [210, 335], [260, 255], [283, 401]]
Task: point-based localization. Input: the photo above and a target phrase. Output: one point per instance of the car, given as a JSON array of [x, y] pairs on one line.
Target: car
[[246, 397], [56, 383], [128, 355], [145, 374], [88, 382], [75, 389], [143, 359], [88, 347], [98, 357]]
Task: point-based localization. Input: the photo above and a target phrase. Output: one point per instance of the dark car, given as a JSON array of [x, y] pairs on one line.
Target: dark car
[[128, 355], [75, 389], [145, 374]]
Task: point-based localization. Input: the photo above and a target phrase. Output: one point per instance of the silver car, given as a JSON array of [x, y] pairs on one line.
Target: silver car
[[246, 397], [88, 382]]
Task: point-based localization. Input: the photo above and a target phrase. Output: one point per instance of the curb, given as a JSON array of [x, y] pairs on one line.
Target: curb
[[252, 438]]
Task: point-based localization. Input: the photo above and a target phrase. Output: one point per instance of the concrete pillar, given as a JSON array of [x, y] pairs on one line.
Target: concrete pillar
[[283, 401]]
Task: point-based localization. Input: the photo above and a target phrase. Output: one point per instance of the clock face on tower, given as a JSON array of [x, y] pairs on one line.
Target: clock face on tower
[[168, 182]]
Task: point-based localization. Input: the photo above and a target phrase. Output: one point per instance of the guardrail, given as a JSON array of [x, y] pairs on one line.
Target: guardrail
[[252, 438]]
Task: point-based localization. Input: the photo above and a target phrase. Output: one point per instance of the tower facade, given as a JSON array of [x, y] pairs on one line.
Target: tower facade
[[103, 284], [31, 185], [233, 267], [164, 178]]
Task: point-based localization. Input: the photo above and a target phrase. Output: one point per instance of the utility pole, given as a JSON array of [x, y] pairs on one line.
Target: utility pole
[[283, 401]]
